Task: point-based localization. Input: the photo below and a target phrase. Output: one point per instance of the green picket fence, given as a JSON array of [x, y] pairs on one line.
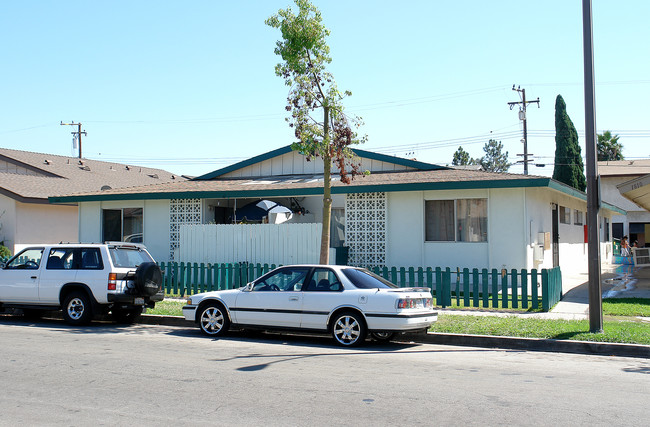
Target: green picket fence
[[511, 289], [191, 278]]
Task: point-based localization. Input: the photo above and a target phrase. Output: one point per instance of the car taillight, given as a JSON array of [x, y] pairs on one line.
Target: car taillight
[[112, 281], [413, 303]]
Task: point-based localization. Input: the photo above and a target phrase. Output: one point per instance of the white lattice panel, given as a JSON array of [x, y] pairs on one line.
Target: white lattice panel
[[182, 211], [365, 229]]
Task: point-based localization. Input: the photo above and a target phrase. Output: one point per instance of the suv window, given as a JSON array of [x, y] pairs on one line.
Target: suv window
[[128, 256], [60, 259], [29, 259], [91, 259]]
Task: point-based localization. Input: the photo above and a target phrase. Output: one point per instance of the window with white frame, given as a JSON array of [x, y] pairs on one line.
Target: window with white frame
[[462, 220], [578, 217], [565, 215]]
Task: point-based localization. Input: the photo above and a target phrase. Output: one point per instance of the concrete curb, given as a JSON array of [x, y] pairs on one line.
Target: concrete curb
[[538, 344], [486, 341]]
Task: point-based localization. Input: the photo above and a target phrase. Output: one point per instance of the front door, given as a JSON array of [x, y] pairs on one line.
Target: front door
[[556, 235]]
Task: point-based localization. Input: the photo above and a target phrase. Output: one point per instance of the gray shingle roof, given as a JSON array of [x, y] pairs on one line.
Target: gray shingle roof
[[51, 175], [312, 184]]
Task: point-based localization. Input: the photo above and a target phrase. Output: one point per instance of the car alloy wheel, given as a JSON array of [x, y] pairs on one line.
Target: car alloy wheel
[[213, 320], [349, 329]]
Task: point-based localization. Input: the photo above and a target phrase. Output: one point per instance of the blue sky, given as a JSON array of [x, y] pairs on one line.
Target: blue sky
[[190, 86]]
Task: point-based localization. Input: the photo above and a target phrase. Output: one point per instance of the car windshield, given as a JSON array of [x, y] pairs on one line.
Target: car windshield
[[364, 279], [128, 256]]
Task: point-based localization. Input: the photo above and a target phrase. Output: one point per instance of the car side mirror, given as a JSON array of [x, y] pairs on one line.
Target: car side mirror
[[248, 287], [2, 265]]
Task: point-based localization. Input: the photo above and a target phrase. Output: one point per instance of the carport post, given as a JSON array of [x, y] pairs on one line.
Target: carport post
[[593, 189]]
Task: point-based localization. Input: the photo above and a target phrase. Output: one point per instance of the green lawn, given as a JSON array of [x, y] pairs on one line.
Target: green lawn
[[626, 307], [614, 331], [168, 307], [620, 326]]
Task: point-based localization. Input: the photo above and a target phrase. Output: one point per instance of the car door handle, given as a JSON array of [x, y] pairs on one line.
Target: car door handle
[[34, 277], [293, 298]]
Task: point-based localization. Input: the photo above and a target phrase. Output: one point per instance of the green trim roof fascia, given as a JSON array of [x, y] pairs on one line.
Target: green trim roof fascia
[[287, 192], [287, 149], [563, 188], [243, 164], [398, 160]]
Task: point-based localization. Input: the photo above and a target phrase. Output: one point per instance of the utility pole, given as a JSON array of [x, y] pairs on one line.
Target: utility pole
[[593, 189], [522, 117], [77, 134]]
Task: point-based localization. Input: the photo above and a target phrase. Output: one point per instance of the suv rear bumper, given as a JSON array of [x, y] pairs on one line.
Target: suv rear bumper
[[131, 299]]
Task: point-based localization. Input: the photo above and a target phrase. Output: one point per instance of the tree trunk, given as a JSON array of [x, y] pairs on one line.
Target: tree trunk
[[327, 192]]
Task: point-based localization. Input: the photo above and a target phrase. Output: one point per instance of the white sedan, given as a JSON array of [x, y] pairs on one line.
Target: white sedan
[[347, 302]]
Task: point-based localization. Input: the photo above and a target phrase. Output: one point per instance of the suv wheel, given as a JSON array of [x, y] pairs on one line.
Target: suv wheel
[[126, 315], [77, 309]]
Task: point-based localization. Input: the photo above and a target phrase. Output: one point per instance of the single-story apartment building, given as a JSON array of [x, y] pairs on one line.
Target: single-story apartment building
[[28, 178], [403, 213]]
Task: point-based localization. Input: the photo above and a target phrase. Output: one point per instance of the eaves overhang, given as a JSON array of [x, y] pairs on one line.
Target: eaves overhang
[[568, 190], [637, 191], [306, 191]]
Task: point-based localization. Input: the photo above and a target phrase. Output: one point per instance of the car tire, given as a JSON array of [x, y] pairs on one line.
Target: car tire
[[77, 309], [148, 278], [349, 329], [213, 319], [126, 316], [382, 336]]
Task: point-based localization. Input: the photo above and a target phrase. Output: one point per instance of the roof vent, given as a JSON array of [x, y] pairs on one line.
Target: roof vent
[[153, 175], [106, 187], [127, 167], [47, 162], [84, 168], [173, 177], [81, 162]]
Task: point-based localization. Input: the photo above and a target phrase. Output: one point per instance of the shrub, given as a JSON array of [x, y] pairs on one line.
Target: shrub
[[4, 252]]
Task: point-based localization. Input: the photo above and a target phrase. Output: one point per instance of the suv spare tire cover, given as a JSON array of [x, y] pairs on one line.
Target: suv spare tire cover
[[148, 278]]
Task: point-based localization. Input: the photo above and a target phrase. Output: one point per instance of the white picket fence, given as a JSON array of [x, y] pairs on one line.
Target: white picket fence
[[256, 243]]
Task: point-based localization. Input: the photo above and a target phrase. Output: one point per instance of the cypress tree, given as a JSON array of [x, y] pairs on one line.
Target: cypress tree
[[569, 167]]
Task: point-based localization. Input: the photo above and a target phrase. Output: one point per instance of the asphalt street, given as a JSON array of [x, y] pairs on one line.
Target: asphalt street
[[54, 374]]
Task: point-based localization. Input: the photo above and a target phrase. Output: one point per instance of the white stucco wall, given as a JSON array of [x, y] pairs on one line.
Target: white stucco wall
[[8, 221], [405, 239], [572, 247], [41, 223], [155, 223], [27, 223], [156, 228], [90, 222], [515, 217]]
